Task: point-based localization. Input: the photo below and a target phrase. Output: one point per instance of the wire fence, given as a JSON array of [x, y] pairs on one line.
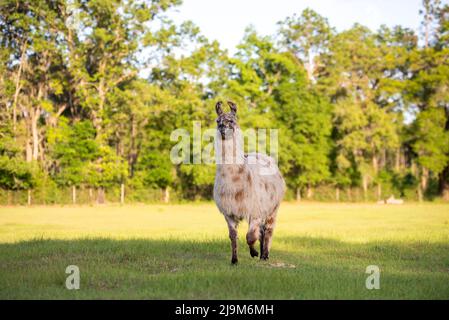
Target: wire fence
[[127, 194]]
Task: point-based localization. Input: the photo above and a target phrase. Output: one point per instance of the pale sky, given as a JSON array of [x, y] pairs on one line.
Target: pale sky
[[225, 20]]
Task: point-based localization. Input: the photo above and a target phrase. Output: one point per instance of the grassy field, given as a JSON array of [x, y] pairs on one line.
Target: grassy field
[[320, 251]]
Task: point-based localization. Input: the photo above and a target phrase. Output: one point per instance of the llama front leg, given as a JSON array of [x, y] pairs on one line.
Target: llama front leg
[[253, 235], [265, 241], [232, 226]]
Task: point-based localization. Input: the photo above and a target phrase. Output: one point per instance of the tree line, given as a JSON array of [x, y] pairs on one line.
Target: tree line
[[91, 90]]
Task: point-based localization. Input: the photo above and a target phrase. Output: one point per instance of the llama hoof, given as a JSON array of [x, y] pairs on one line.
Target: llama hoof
[[264, 257], [253, 253], [234, 260]]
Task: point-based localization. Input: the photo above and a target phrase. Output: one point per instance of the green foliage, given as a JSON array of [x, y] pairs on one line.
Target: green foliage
[[73, 147], [90, 92], [155, 170], [108, 169], [305, 123], [15, 173], [430, 140]]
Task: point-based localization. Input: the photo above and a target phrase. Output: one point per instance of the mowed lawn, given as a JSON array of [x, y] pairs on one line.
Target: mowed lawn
[[320, 251]]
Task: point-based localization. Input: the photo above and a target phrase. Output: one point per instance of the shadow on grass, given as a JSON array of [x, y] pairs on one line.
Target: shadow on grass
[[299, 268]]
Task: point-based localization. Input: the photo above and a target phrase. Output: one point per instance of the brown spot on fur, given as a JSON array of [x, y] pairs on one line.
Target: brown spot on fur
[[235, 178], [270, 221], [232, 233], [250, 180], [241, 169], [239, 196], [266, 187]]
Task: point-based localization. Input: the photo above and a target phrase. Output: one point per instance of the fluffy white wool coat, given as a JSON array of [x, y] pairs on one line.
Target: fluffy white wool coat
[[248, 186]]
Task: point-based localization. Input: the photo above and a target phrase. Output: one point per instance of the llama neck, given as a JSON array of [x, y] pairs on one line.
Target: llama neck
[[229, 152]]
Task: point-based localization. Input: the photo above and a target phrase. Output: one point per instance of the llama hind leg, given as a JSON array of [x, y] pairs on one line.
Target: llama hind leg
[[265, 243], [252, 236], [232, 226]]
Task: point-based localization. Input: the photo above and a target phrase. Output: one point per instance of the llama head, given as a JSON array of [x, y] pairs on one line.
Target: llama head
[[226, 122]]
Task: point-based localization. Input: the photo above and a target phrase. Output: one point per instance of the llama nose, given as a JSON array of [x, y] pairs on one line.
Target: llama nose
[[226, 133]]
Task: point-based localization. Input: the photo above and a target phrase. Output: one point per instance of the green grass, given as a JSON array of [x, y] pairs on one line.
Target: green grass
[[320, 251]]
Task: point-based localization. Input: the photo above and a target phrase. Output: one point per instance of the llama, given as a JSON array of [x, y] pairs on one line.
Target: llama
[[247, 186]]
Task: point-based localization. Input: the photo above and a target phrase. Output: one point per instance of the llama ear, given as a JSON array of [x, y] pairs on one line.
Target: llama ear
[[218, 108], [233, 107]]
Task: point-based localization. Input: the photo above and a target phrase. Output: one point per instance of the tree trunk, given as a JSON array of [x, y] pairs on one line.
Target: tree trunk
[[166, 195], [74, 194], [100, 196], [403, 161], [337, 194], [413, 169], [98, 114], [397, 162], [18, 87], [132, 156], [298, 194], [34, 132], [444, 184], [424, 180], [29, 197], [379, 192], [122, 193], [91, 195], [365, 187], [375, 164], [309, 191], [422, 187], [28, 149], [310, 67], [419, 191]]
